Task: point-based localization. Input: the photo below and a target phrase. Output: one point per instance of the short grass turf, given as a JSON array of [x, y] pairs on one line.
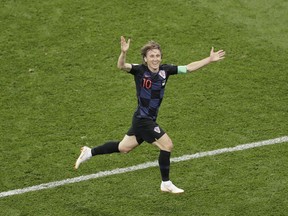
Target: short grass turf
[[60, 89]]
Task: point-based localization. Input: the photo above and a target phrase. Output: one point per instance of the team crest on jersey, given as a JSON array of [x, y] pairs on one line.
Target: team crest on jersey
[[162, 74], [157, 129]]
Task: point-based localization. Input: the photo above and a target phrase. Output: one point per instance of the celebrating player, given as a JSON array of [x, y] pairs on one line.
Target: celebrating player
[[150, 79]]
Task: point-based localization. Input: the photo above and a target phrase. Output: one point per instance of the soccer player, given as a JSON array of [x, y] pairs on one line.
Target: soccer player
[[150, 79]]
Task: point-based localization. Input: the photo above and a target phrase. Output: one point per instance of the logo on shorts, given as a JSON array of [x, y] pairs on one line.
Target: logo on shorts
[[157, 129]]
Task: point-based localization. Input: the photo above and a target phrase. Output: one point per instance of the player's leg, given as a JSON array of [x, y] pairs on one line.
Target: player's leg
[[87, 153], [127, 144], [165, 145]]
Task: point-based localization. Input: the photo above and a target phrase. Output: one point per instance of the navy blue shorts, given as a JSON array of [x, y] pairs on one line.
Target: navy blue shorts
[[145, 130]]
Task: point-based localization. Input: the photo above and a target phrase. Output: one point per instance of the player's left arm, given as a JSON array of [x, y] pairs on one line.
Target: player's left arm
[[214, 56]]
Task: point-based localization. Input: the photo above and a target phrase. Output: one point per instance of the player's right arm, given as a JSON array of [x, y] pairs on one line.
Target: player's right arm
[[121, 64]]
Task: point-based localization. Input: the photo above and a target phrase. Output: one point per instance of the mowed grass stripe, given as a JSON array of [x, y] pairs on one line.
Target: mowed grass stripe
[[142, 166]]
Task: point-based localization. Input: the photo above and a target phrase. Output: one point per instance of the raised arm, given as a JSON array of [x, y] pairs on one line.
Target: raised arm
[[214, 56], [121, 64]]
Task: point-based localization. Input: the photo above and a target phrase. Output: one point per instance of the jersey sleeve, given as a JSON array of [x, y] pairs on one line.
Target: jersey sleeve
[[135, 69], [170, 69]]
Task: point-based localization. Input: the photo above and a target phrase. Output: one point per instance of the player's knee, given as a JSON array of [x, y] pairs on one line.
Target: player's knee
[[170, 145], [127, 144], [124, 149], [164, 143]]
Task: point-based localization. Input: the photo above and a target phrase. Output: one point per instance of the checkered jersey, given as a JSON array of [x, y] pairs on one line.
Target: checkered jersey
[[150, 88]]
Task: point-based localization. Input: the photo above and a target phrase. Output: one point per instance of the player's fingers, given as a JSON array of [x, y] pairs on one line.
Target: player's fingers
[[221, 53]]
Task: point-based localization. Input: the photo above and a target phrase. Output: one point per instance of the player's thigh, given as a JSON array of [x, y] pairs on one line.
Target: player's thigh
[[128, 143], [164, 143]]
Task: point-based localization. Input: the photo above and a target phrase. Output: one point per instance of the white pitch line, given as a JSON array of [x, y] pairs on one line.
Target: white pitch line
[[142, 166]]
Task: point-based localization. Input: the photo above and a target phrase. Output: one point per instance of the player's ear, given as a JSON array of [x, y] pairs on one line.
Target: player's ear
[[145, 59]]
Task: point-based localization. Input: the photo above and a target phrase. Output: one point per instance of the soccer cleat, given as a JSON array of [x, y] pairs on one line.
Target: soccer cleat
[[84, 156], [170, 187]]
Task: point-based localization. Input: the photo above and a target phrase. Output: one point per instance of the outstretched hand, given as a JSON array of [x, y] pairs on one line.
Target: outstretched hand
[[124, 44], [216, 56]]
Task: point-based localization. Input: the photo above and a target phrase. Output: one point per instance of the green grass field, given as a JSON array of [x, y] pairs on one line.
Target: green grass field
[[61, 89]]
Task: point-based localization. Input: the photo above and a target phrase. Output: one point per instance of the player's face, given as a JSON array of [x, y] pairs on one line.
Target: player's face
[[153, 59]]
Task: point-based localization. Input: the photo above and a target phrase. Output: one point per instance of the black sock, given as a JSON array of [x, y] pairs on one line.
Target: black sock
[[107, 148], [164, 164]]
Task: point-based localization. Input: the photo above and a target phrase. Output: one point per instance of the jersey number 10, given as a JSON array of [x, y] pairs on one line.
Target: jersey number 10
[[147, 83]]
